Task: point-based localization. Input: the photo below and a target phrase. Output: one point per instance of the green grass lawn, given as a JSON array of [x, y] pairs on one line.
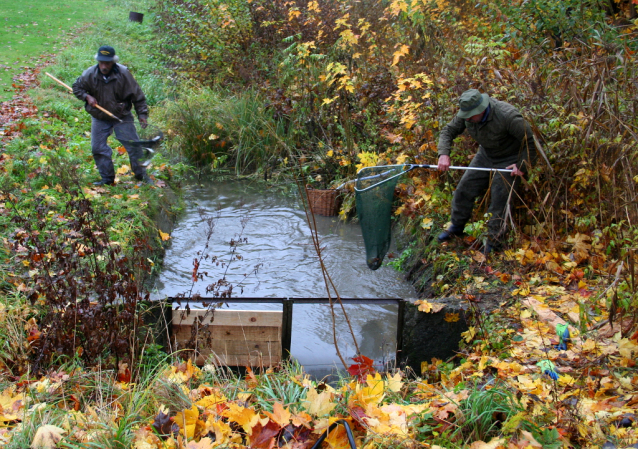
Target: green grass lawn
[[38, 28]]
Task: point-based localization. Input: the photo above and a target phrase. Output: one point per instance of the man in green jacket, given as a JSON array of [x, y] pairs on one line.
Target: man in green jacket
[[505, 141], [112, 86]]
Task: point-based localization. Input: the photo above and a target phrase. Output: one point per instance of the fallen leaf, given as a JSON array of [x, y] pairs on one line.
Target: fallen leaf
[[263, 437], [280, 415], [47, 437], [451, 317], [124, 169], [245, 417], [187, 420], [428, 307], [204, 443], [318, 404], [395, 383], [493, 444]]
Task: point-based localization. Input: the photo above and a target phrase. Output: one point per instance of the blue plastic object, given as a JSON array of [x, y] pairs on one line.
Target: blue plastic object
[[562, 330], [548, 368]]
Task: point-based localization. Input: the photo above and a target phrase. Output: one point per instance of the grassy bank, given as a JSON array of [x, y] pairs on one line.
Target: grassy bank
[[37, 31], [87, 276]]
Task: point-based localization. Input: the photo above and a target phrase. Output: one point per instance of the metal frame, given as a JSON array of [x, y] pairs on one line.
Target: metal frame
[[288, 303]]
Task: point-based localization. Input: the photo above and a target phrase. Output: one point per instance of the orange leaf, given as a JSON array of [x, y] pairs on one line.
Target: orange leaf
[[245, 417], [451, 317], [280, 415]]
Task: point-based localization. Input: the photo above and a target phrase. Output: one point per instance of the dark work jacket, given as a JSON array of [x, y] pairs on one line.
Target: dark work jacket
[[118, 94], [505, 133]]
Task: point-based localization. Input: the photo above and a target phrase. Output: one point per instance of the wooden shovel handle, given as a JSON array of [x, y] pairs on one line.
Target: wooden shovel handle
[[71, 90]]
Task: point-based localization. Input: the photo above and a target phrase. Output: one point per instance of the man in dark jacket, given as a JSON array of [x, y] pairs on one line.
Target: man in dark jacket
[[505, 141], [111, 86]]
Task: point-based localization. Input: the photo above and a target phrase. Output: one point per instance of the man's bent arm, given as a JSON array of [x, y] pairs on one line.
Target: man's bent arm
[[78, 89], [448, 134]]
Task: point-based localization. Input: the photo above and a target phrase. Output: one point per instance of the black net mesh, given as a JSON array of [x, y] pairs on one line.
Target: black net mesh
[[374, 191], [145, 146]]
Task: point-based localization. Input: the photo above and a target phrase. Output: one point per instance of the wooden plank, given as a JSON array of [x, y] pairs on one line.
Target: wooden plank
[[252, 348], [244, 360], [246, 318], [259, 333], [229, 346], [238, 353]]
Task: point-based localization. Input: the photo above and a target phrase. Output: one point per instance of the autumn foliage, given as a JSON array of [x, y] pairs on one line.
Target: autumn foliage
[[322, 88]]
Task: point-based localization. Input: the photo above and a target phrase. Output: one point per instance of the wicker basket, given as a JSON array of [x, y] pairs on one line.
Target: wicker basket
[[324, 202]]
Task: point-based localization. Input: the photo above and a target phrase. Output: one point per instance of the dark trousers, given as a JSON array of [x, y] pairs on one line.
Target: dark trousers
[[102, 152], [474, 184]]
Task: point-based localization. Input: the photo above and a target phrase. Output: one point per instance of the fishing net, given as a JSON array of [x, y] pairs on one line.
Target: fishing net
[[145, 145], [374, 191]]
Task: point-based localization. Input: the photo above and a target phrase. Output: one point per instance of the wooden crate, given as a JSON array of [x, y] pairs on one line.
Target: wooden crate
[[233, 338]]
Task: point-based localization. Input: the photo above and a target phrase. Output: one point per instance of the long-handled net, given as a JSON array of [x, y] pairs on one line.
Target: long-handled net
[[146, 145], [374, 193]]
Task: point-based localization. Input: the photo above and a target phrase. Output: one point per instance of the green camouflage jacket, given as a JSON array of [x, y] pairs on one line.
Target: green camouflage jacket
[[504, 133]]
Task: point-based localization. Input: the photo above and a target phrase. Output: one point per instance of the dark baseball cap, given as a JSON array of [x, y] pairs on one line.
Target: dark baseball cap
[[105, 53]]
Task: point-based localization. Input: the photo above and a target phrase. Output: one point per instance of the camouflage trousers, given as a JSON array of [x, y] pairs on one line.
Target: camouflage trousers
[[475, 184]]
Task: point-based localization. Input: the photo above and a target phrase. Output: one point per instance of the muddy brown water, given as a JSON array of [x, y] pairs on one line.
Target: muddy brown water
[[277, 260]]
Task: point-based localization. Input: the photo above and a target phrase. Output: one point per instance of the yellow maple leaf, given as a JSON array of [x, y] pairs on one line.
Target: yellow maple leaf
[[318, 404], [395, 382], [389, 419], [401, 158], [123, 170], [404, 50], [245, 417], [329, 100], [428, 307], [187, 420], [164, 236], [626, 347], [469, 334], [423, 305], [10, 405], [372, 393], [211, 400], [223, 432], [427, 223]]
